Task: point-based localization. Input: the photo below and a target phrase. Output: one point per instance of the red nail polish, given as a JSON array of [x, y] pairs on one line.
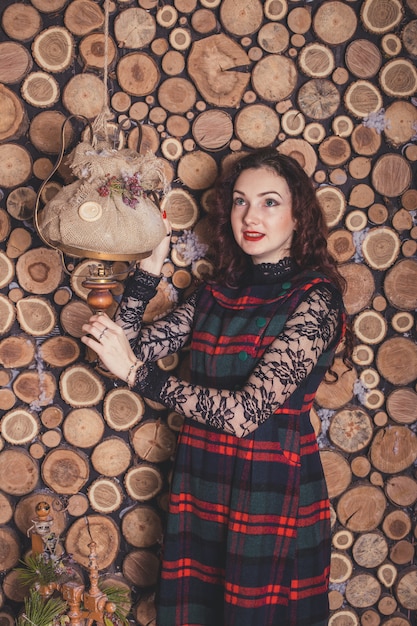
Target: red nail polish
[[164, 214]]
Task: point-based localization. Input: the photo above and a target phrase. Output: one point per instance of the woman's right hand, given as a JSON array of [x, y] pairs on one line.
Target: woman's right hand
[[153, 263]]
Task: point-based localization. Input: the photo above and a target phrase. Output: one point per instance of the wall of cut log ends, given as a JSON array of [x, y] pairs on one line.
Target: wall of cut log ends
[[331, 83]]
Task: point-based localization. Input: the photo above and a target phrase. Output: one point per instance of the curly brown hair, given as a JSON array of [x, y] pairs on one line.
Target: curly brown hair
[[309, 243]]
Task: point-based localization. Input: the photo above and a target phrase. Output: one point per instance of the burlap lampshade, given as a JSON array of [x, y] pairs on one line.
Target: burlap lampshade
[[110, 212]]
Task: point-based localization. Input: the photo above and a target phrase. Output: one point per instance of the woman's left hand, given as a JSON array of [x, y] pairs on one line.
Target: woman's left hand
[[109, 342]]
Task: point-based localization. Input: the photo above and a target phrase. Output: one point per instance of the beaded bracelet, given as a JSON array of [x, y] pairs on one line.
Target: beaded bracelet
[[131, 368]]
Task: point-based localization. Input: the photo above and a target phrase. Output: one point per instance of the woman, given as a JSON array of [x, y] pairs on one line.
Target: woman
[[248, 533]]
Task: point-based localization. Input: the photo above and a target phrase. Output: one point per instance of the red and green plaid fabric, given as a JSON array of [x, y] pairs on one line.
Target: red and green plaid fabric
[[248, 536]]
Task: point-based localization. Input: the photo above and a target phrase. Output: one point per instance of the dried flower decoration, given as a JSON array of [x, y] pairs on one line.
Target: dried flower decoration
[[129, 188], [190, 247], [377, 120]]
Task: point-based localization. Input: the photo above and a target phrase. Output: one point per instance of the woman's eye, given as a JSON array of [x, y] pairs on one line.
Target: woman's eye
[[238, 201], [270, 202]]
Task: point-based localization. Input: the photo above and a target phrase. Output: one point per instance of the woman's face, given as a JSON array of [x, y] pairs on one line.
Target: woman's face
[[261, 215]]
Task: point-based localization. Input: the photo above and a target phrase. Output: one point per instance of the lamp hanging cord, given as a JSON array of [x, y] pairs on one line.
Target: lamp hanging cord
[[100, 130]]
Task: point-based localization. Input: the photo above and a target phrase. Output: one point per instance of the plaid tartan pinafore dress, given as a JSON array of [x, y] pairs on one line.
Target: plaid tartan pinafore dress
[[248, 534]]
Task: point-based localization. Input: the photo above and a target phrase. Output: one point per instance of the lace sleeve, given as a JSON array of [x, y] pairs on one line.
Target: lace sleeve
[[167, 335], [152, 342], [309, 331]]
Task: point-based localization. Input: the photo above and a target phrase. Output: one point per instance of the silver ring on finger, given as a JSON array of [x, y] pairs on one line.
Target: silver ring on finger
[[101, 334]]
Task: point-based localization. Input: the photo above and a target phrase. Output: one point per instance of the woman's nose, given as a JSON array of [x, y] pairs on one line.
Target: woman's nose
[[250, 216]]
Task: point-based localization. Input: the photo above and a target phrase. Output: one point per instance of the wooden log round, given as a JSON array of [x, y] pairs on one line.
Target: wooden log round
[[397, 360], [362, 98], [16, 351], [181, 209], [111, 457], [333, 203], [83, 16], [83, 95], [213, 129], [405, 588], [211, 64], [334, 151], [370, 327], [273, 38], [318, 98], [197, 170], [65, 470], [52, 416], [241, 21], [341, 246], [98, 528], [274, 78], [145, 610], [397, 525], [334, 22], [402, 552], [92, 52], [53, 49], [387, 604], [398, 78], [25, 475], [400, 285], [141, 567], [39, 270], [361, 508], [81, 387], [20, 22], [316, 60], [143, 482], [401, 490], [19, 241], [336, 471], [365, 140], [153, 441], [370, 549], [40, 89], [360, 466], [363, 58], [14, 118], [123, 409], [16, 63], [16, 165], [6, 509], [341, 567], [10, 548], [344, 617], [105, 495], [391, 175], [363, 590], [34, 388], [380, 16], [409, 38], [137, 74], [334, 395], [304, 154], [356, 221], [342, 539], [7, 313], [401, 117], [59, 351], [393, 449], [351, 429], [387, 574], [402, 405], [134, 28], [142, 526], [5, 225], [19, 426], [83, 428], [257, 125]]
